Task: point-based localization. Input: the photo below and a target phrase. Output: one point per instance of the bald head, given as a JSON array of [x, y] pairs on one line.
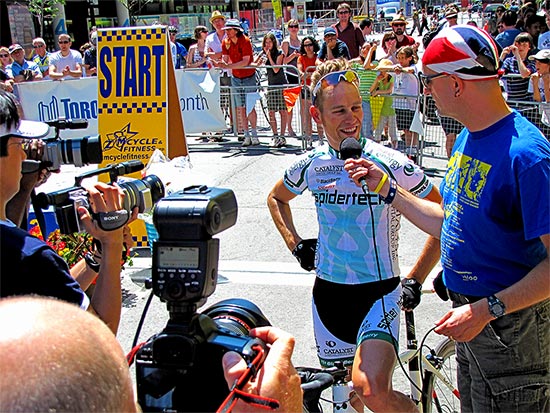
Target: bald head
[[57, 357]]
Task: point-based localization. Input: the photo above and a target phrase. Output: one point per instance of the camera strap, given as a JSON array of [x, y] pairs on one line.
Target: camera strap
[[237, 393], [109, 221]]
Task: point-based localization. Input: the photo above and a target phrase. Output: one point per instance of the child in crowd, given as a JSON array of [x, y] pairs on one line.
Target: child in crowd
[[364, 67], [406, 84], [382, 86]]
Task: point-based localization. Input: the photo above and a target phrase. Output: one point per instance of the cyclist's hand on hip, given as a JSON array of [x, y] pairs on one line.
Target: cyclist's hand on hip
[[305, 253], [410, 294]]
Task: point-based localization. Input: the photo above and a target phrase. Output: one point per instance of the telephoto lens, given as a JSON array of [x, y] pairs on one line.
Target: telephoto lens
[[237, 315]]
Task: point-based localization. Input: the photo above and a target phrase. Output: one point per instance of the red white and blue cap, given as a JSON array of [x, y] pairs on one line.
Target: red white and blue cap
[[464, 51]]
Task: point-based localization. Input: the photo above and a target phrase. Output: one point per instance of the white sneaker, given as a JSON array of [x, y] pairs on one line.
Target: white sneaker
[[255, 141], [247, 141]]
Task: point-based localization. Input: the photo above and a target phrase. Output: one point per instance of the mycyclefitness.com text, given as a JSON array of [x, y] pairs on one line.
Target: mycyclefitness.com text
[[121, 157]]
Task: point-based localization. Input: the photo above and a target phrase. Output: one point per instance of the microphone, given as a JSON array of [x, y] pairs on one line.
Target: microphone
[[351, 148]]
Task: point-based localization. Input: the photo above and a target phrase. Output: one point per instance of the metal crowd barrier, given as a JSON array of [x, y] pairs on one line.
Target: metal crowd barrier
[[432, 142]]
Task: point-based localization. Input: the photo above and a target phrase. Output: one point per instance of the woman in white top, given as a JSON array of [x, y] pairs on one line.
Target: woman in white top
[[196, 56]]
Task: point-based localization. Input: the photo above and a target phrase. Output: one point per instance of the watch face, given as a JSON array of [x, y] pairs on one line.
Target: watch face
[[496, 307]]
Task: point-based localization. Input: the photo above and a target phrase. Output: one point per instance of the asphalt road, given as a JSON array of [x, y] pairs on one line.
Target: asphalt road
[[254, 262]]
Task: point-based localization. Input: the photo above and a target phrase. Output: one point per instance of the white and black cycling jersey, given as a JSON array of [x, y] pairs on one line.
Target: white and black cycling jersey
[[345, 251]]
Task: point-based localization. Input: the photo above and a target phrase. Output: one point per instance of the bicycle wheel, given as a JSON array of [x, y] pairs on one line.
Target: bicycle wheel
[[437, 396]]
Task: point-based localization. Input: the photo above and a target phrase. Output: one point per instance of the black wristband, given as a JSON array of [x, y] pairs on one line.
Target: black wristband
[[392, 192]]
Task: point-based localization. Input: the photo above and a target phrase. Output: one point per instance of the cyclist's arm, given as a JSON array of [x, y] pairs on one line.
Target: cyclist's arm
[[278, 204]]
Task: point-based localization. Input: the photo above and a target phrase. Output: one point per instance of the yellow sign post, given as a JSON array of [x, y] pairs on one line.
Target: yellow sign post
[[138, 104]]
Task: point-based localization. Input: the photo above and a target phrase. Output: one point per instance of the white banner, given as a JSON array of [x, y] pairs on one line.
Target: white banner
[[49, 100], [199, 96], [198, 90]]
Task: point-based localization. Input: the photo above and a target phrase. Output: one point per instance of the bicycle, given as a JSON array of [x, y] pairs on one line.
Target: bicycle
[[433, 386]]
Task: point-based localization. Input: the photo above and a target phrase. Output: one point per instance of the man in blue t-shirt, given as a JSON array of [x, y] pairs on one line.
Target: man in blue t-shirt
[[494, 228], [30, 266]]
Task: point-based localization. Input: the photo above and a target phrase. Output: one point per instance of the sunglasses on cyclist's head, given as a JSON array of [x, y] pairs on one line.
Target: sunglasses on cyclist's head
[[332, 79]]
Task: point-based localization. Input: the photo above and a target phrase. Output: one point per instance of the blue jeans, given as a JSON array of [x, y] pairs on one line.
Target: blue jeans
[[506, 368]]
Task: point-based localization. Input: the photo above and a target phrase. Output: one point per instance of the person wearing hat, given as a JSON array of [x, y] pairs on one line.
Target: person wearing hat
[[332, 47], [238, 56], [21, 69], [398, 26], [496, 191], [213, 48], [179, 51], [28, 265]]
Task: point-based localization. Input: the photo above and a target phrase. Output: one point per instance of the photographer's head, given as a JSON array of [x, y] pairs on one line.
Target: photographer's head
[[336, 101], [61, 358], [13, 135]]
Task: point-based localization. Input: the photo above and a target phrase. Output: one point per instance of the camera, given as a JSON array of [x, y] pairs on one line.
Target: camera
[[27, 74], [177, 366], [76, 151], [139, 193]]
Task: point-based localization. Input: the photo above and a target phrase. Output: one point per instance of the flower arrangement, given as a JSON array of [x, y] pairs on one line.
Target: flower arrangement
[[72, 247]]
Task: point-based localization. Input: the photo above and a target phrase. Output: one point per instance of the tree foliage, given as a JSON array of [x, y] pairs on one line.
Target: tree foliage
[[44, 10]]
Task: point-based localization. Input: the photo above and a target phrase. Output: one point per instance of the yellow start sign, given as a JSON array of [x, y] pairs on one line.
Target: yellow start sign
[[138, 103]]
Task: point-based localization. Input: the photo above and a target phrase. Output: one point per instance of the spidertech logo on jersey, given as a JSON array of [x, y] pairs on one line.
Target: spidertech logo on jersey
[[336, 198]]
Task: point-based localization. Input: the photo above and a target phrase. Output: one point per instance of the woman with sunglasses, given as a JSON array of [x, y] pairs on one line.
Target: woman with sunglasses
[[196, 56], [5, 58], [357, 280], [307, 62], [291, 49], [389, 45], [272, 57]]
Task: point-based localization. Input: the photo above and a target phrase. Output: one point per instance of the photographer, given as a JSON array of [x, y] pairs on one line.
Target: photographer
[[28, 265], [47, 339], [22, 70]]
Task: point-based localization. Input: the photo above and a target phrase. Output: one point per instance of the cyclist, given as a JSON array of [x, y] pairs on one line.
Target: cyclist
[[350, 293]]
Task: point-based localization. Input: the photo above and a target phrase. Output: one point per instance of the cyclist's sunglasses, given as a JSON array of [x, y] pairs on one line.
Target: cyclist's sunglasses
[[332, 79]]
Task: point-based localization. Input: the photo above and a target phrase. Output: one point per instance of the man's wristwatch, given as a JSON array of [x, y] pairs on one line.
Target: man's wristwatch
[[496, 307]]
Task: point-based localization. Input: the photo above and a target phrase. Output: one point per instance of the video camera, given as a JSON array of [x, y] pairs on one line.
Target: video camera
[[139, 193], [76, 151], [180, 369]]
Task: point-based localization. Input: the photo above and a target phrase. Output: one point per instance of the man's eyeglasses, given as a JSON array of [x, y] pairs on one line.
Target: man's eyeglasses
[[293, 26], [343, 12], [399, 24], [427, 79], [332, 79], [37, 46], [63, 42], [23, 143]]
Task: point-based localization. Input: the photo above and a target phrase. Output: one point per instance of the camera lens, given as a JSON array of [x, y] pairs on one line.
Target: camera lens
[[237, 315], [143, 193], [81, 151]]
